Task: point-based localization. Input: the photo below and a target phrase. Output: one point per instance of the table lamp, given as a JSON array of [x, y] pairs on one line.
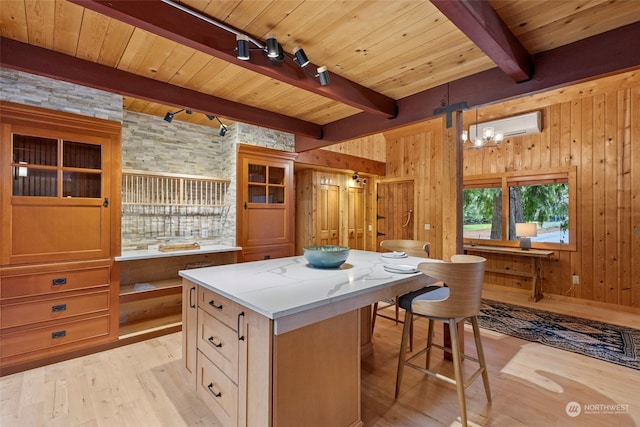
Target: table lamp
[[525, 230]]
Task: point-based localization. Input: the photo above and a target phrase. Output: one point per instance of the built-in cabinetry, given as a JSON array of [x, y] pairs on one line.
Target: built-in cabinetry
[[330, 210], [59, 228], [151, 290], [265, 198]]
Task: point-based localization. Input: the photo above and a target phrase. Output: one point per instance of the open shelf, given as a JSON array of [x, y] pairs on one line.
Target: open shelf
[[129, 293]]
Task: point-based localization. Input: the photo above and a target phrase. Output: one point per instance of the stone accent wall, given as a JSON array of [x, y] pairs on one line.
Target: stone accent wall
[[151, 144], [30, 89]]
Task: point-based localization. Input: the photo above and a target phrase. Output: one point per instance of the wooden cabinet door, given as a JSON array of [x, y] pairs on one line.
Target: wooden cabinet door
[[189, 329], [56, 189], [265, 199]]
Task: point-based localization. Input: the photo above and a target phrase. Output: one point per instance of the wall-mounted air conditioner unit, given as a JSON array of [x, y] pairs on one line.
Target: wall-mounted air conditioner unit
[[524, 124]]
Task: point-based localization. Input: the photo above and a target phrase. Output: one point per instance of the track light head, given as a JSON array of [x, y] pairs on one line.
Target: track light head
[[210, 117], [323, 74], [242, 47], [300, 56], [168, 117], [223, 130], [274, 50]]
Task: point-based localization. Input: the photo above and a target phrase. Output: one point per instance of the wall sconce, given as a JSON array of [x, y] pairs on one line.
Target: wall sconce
[[524, 231]]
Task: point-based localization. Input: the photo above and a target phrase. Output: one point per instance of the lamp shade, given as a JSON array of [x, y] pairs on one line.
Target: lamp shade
[[526, 229]]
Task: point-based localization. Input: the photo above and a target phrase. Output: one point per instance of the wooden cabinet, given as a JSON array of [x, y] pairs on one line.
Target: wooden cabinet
[[59, 228], [330, 210], [250, 377], [53, 309], [215, 351], [265, 203]]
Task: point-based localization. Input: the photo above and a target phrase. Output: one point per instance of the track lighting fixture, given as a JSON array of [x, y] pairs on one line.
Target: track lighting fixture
[[273, 49], [223, 129], [169, 116], [300, 56], [242, 47], [323, 75]]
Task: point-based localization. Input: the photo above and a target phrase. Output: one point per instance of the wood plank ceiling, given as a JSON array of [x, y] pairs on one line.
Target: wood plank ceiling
[[391, 63]]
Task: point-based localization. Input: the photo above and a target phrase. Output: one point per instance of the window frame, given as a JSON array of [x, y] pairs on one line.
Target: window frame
[[505, 180]]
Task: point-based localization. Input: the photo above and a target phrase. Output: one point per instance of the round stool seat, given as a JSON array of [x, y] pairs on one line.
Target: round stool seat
[[429, 293]]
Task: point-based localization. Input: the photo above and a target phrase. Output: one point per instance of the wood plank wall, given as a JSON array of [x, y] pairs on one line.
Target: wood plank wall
[[593, 126]]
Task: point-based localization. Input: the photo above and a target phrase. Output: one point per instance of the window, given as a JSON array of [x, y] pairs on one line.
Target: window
[[493, 205]]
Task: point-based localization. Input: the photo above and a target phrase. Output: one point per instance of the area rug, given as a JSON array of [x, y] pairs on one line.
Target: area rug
[[611, 343]]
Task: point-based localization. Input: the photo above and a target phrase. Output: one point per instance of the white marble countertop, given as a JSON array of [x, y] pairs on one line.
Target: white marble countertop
[[282, 287], [146, 254]]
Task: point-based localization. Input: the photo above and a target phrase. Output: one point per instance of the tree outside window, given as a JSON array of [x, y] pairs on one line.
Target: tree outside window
[[492, 205]]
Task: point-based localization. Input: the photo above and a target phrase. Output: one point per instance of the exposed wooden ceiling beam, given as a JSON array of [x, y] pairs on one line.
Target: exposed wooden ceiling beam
[[336, 160], [44, 62], [596, 56], [165, 20], [480, 22]]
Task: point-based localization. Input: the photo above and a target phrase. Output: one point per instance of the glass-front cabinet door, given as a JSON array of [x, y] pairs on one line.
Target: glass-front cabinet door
[[265, 203], [266, 184], [55, 187]]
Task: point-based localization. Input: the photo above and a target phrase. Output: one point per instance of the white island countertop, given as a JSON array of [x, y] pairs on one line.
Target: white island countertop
[[155, 253], [294, 294]]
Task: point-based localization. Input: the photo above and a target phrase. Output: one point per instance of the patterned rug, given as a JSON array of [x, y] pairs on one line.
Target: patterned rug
[[611, 343]]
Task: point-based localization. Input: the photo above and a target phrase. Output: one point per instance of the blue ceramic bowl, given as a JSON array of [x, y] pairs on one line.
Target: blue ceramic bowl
[[326, 256]]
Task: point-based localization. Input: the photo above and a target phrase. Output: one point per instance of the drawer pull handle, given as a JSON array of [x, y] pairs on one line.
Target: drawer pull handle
[[192, 304], [213, 304], [59, 281], [58, 334], [213, 342], [240, 337], [59, 307], [210, 387]]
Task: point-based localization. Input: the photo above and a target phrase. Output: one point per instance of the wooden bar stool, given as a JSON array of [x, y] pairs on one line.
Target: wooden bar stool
[[459, 299]]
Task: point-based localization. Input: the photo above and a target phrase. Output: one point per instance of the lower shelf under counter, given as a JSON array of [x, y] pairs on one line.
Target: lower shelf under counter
[[156, 307]]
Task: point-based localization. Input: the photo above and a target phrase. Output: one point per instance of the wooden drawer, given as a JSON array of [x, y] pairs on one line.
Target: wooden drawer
[[53, 282], [219, 343], [61, 307], [219, 307], [258, 253], [218, 392], [52, 336]]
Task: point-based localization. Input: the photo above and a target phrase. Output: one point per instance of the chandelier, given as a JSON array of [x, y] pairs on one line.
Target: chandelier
[[488, 135]]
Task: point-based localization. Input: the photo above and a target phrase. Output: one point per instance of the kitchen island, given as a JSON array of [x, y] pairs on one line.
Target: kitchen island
[[276, 342]]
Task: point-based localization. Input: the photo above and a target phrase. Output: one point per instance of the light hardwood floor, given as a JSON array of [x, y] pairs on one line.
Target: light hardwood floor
[[142, 385]]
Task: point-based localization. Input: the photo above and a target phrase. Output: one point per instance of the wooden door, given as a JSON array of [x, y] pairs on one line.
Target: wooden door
[[395, 214], [328, 215], [356, 222]]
